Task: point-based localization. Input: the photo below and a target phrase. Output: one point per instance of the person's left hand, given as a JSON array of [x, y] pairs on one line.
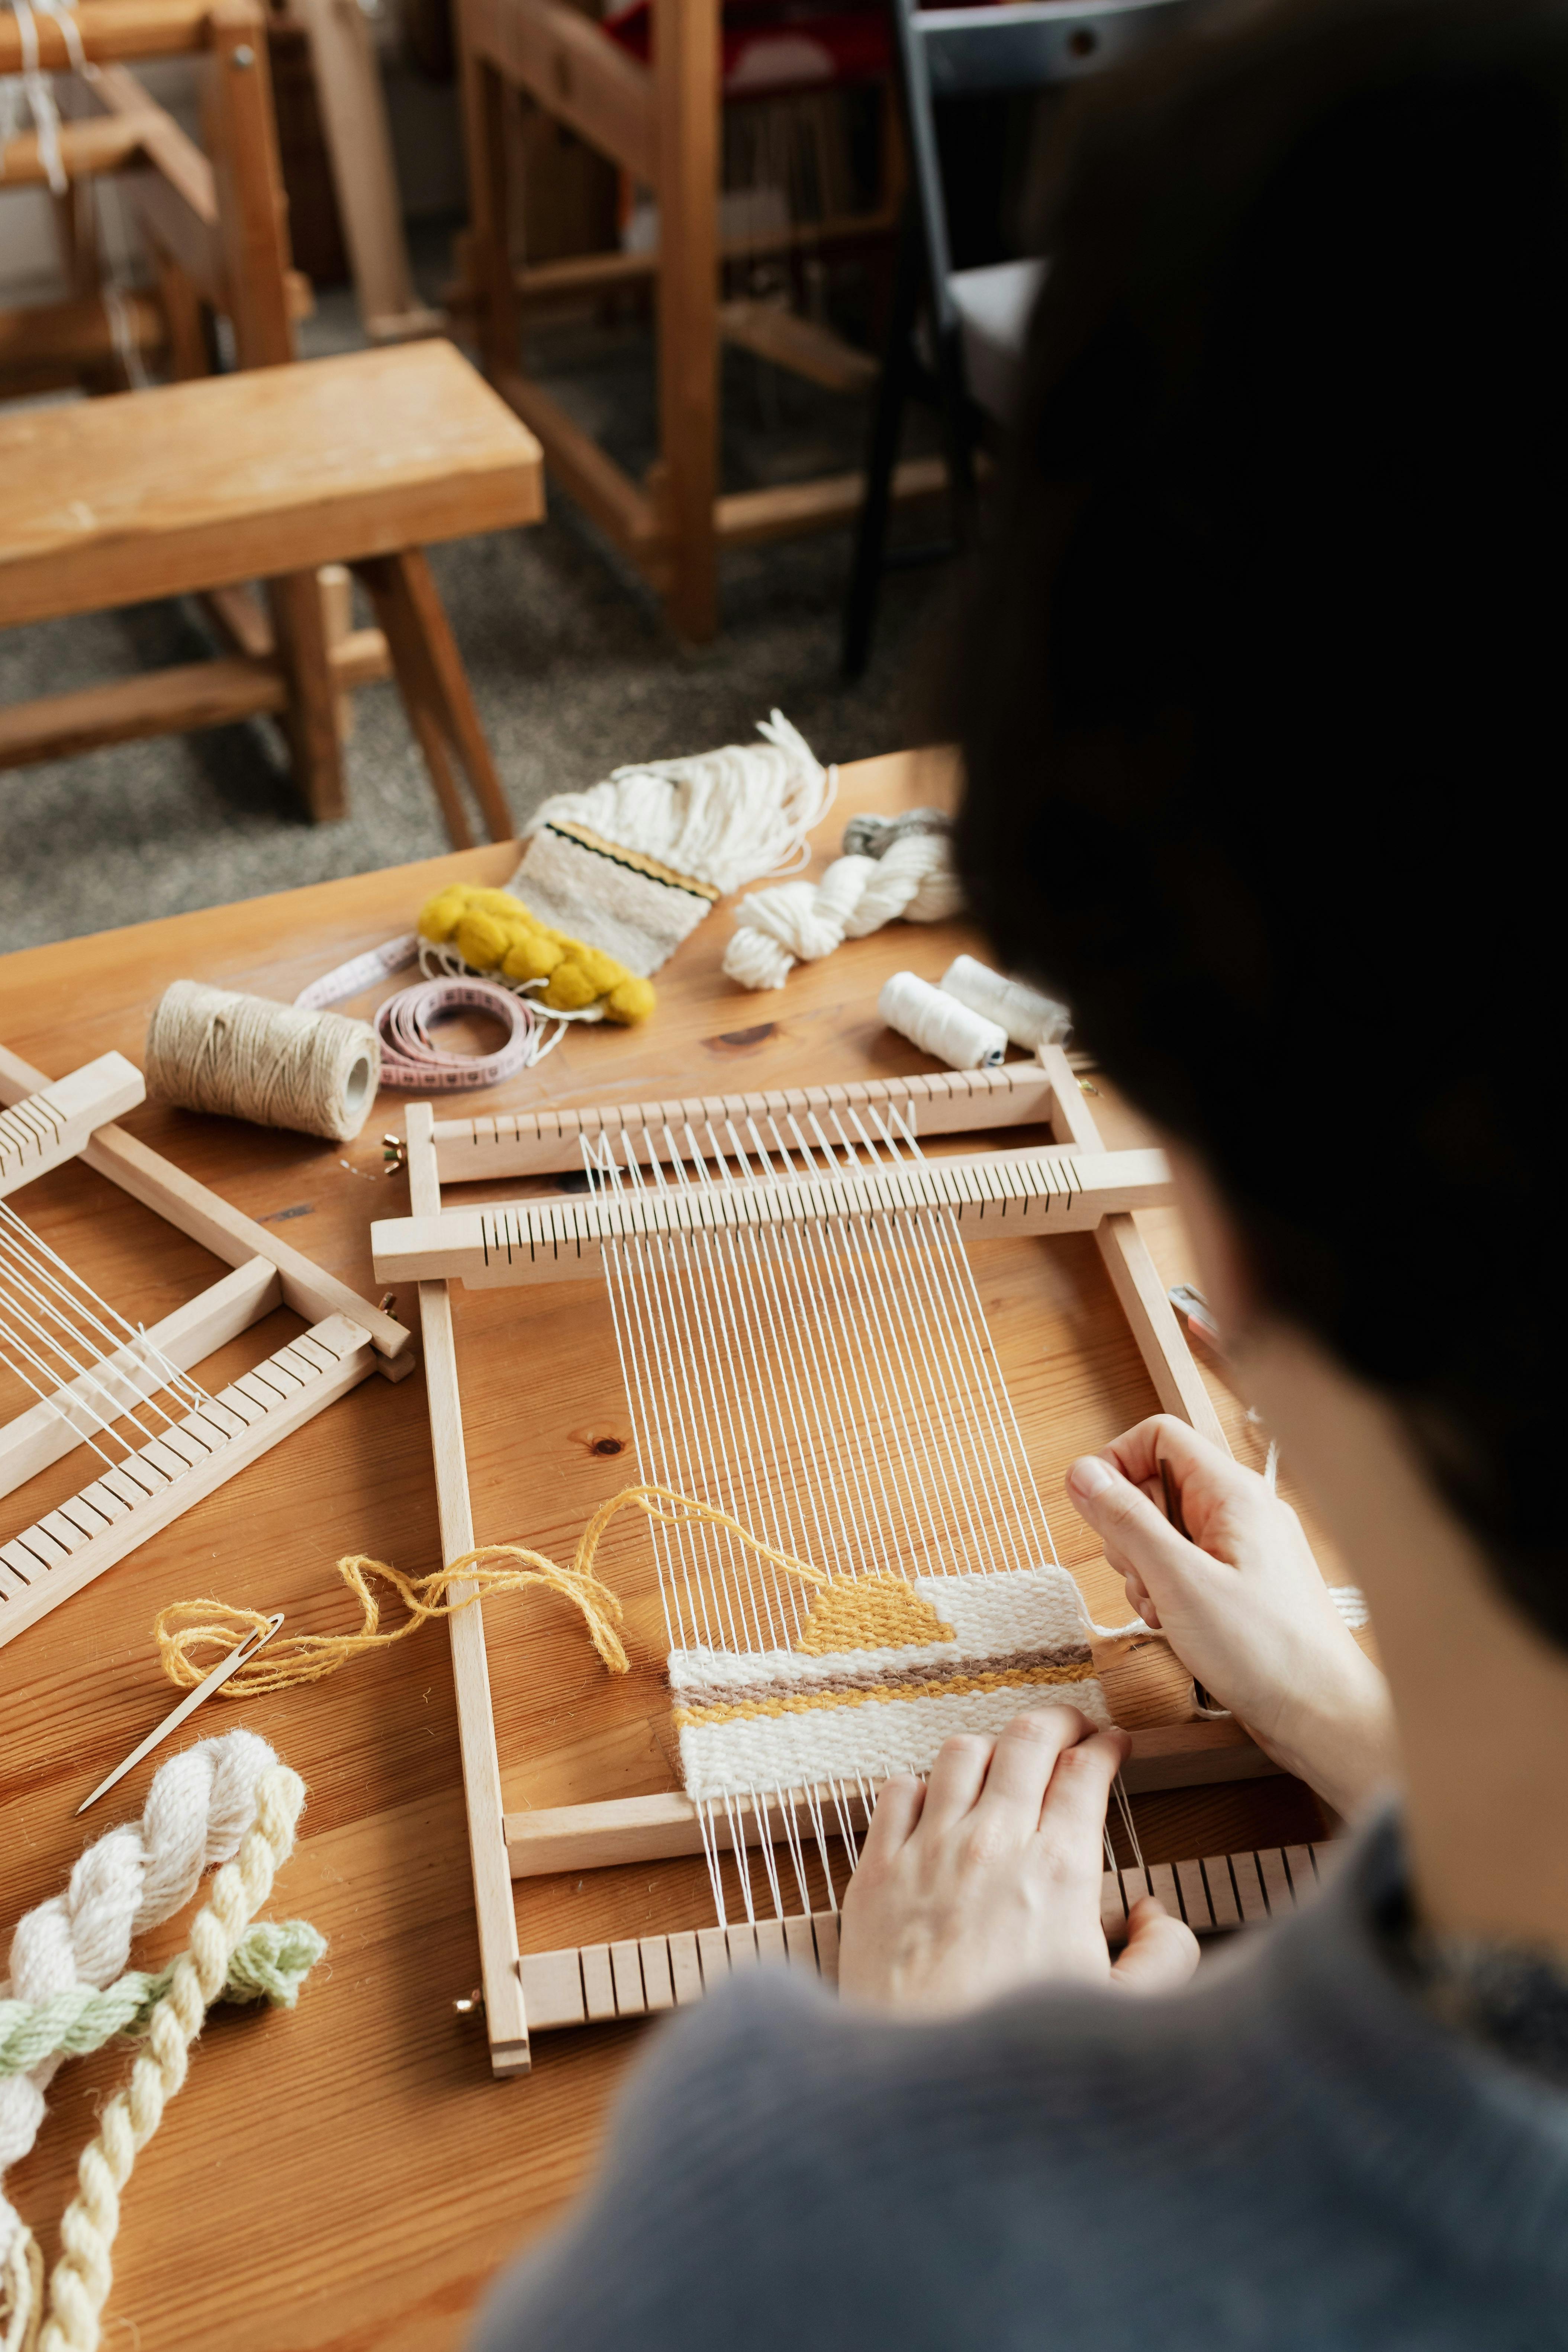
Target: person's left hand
[[987, 1879]]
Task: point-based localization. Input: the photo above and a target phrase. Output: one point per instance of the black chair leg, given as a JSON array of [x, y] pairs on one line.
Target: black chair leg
[[957, 439], [882, 455]]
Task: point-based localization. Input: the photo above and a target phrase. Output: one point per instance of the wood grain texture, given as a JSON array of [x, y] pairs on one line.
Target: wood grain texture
[[410, 2175], [281, 469]]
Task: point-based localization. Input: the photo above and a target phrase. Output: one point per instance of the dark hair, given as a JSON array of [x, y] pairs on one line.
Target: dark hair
[[1267, 701]]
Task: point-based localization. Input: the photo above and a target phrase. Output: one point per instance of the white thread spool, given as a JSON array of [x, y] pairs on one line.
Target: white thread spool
[[1030, 1019], [209, 1049], [940, 1026]]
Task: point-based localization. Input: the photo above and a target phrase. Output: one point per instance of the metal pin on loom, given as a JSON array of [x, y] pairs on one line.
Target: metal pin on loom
[[188, 1705]]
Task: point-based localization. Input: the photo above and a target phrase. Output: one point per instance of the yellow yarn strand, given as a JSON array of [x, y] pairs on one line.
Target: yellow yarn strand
[[193, 1636]]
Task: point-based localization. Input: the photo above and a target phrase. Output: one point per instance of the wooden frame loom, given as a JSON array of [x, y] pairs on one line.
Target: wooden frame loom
[[1074, 1186], [49, 1121]]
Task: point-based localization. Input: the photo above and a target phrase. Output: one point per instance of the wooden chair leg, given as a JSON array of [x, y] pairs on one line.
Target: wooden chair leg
[[882, 456], [686, 80], [188, 356], [311, 719], [435, 689]]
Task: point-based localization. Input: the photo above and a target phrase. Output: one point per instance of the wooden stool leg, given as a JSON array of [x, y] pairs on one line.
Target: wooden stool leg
[[435, 689], [338, 612], [311, 718]]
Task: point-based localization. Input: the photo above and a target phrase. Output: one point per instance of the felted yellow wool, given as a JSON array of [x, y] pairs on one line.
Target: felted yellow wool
[[492, 931]]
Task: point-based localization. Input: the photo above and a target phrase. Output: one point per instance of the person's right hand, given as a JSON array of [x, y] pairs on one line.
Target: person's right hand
[[1242, 1603]]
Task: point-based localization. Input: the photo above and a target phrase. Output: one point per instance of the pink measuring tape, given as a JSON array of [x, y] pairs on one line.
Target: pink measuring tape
[[410, 1056]]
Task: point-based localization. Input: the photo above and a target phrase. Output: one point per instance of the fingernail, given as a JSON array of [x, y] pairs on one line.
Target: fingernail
[[1089, 1477]]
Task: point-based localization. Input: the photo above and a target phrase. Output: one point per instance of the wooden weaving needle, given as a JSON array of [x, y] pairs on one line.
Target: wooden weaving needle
[[192, 1699]]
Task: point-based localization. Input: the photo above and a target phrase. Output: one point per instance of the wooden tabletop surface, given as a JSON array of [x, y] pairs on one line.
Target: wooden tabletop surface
[[350, 2175]]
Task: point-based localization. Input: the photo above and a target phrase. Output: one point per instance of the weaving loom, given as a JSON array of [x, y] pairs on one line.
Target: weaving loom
[[124, 1392], [806, 1356]]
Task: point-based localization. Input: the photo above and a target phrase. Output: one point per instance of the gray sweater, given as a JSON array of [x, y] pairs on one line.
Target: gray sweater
[[1292, 2152]]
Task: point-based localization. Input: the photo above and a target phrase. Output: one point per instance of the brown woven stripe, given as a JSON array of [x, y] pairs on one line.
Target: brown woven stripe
[[885, 1678]]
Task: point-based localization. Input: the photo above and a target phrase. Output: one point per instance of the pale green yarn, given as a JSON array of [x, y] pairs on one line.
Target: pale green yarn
[[270, 1962]]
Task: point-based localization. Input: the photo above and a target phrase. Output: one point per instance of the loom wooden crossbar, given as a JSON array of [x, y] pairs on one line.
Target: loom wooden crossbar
[[47, 1122], [643, 1976], [1075, 1186]]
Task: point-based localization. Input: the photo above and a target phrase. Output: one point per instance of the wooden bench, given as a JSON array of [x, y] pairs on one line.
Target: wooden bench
[[267, 475]]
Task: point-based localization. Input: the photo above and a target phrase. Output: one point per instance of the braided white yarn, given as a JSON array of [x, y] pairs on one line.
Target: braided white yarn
[[721, 817], [797, 923], [198, 1808]]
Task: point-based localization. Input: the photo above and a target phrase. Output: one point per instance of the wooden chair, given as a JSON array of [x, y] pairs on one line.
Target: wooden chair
[[660, 122], [267, 475], [976, 318]]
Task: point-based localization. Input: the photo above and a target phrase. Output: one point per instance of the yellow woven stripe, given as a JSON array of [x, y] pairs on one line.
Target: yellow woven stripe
[[689, 1718]]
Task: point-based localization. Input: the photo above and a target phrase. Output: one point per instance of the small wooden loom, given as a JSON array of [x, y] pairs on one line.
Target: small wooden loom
[[96, 1376], [764, 1255]]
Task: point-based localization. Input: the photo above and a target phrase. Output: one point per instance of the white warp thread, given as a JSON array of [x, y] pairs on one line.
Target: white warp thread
[[799, 922], [1030, 1019], [940, 1026], [198, 1808], [723, 817]]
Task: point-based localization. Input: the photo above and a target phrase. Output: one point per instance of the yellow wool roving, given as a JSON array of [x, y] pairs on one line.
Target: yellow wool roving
[[493, 931]]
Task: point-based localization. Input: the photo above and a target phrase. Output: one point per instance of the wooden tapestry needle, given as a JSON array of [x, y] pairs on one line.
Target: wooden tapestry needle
[[172, 1721]]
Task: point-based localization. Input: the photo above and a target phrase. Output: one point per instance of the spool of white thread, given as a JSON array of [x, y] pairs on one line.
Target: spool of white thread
[[1030, 1019], [209, 1049], [940, 1026]]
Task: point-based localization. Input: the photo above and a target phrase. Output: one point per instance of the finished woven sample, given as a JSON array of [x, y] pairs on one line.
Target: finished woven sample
[[936, 1654], [634, 865]]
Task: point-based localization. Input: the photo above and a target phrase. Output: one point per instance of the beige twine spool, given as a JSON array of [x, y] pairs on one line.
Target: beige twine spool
[[208, 1049]]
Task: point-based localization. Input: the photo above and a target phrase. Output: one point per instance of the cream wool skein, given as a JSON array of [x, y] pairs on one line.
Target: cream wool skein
[[799, 922], [940, 1026], [198, 1808], [209, 1049]]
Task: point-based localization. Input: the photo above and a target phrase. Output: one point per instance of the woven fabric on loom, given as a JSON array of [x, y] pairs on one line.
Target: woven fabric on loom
[[920, 1660]]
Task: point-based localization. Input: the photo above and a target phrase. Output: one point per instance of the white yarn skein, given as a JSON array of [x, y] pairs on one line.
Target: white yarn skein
[[722, 817], [198, 1808], [1030, 1019], [940, 1026], [803, 921]]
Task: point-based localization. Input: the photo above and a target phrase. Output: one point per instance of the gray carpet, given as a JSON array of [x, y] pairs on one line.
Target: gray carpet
[[571, 667]]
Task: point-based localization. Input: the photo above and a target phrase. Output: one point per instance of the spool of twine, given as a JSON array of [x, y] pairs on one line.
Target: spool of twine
[[939, 1025], [1030, 1019], [208, 1049]]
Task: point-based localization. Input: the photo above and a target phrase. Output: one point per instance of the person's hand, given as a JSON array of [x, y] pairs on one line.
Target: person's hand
[[988, 1878], [1242, 1603]]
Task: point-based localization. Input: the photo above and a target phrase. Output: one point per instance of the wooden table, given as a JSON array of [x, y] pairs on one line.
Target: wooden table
[[350, 2174]]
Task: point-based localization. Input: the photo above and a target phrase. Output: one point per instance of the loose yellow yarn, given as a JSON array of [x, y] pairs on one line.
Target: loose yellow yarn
[[191, 1644], [493, 931]]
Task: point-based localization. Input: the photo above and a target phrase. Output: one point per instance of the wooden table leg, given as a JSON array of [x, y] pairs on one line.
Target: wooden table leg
[[435, 689], [311, 719]]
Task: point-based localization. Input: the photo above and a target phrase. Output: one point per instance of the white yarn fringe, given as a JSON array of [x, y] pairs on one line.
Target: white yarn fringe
[[723, 817], [800, 922], [199, 1809]]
